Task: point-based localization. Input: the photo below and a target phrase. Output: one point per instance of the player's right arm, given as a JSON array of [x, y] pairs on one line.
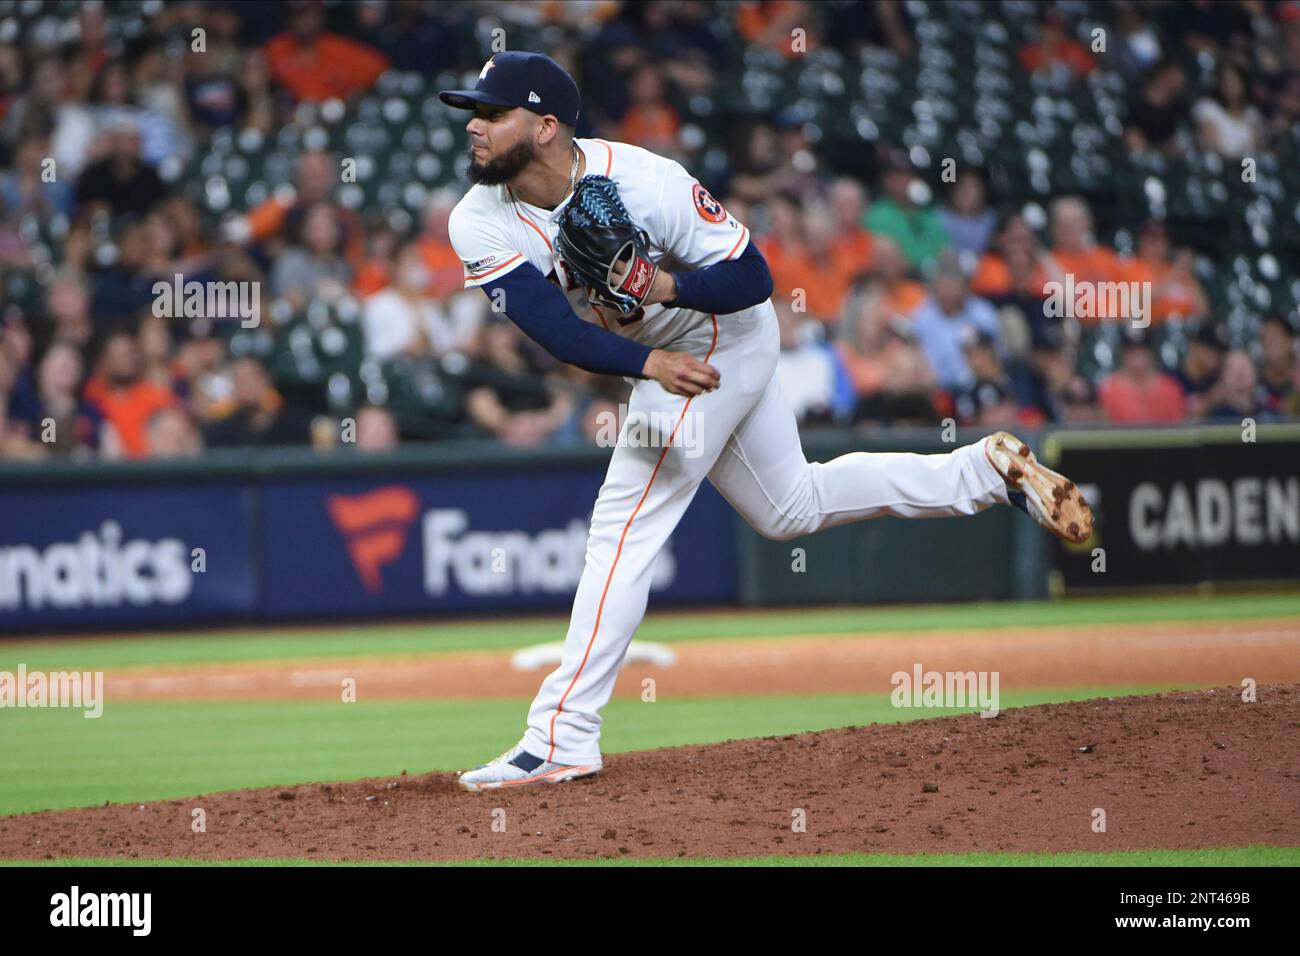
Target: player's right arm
[[516, 288]]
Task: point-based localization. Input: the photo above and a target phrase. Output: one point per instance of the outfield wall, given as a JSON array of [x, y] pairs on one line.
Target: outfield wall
[[290, 534]]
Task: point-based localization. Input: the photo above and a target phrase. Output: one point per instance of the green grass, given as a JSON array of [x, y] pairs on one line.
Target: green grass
[[1232, 856], [141, 751], [397, 639]]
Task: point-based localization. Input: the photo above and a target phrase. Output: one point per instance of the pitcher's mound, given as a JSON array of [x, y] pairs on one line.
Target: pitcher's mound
[[1192, 769]]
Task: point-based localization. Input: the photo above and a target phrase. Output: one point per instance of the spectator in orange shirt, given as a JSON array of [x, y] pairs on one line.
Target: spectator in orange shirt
[[828, 269], [1014, 269], [888, 371], [848, 202], [1138, 391], [649, 121], [1175, 290], [154, 339], [446, 271], [315, 65], [1055, 49], [377, 269], [1076, 253], [769, 23], [781, 244], [903, 295], [124, 397], [1075, 249], [804, 261]]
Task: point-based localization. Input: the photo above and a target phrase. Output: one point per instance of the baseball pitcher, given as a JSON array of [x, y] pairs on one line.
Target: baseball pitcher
[[616, 260]]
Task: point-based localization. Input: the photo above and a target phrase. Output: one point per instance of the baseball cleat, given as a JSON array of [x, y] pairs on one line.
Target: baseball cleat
[[518, 768], [1050, 499]]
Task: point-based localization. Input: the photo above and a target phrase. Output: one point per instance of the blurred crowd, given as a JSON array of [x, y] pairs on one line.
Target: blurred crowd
[[899, 342], [898, 303]]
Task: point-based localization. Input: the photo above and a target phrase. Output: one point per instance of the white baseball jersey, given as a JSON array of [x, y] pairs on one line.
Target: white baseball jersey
[[494, 232], [742, 436]]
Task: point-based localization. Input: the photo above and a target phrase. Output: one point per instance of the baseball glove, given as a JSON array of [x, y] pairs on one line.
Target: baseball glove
[[596, 234]]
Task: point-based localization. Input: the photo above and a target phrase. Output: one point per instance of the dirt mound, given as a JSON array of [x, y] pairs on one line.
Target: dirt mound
[[1196, 769]]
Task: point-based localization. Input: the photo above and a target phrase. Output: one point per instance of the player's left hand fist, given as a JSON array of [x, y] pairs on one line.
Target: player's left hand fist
[[662, 289]]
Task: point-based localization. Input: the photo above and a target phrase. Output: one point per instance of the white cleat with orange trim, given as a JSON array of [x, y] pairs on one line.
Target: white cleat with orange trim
[[1049, 498], [518, 768]]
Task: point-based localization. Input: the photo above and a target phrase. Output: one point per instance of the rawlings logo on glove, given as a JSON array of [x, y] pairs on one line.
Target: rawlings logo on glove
[[603, 248]]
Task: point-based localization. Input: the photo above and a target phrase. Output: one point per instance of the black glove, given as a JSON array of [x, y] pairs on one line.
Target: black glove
[[595, 234]]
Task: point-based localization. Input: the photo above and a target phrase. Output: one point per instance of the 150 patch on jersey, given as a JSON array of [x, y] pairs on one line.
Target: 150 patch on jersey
[[710, 209]]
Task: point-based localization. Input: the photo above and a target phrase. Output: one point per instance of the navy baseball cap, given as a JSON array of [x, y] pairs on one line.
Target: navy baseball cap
[[531, 80]]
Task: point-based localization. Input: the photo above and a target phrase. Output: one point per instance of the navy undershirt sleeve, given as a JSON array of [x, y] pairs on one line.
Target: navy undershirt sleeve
[[537, 306], [725, 287]]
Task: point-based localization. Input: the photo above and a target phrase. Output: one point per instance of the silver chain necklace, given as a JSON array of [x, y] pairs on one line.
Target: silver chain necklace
[[573, 173], [573, 179]]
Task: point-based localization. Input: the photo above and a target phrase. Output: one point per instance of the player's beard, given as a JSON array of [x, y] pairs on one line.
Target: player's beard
[[503, 168]]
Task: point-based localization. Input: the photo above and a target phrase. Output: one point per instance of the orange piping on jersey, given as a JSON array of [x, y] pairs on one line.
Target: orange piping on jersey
[[744, 232], [530, 225], [609, 163], [517, 255], [619, 551]]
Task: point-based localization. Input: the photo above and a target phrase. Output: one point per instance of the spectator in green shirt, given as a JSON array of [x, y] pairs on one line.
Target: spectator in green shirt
[[918, 230]]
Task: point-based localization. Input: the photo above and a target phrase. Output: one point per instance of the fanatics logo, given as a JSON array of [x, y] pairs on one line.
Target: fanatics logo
[[710, 209], [374, 525]]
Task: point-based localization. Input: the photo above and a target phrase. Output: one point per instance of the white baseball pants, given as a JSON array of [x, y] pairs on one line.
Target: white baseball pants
[[743, 437]]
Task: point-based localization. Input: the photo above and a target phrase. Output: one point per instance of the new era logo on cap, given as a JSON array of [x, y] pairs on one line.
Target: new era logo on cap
[[533, 97]]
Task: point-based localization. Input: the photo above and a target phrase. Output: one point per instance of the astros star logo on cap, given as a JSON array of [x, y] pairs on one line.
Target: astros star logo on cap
[[486, 66]]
